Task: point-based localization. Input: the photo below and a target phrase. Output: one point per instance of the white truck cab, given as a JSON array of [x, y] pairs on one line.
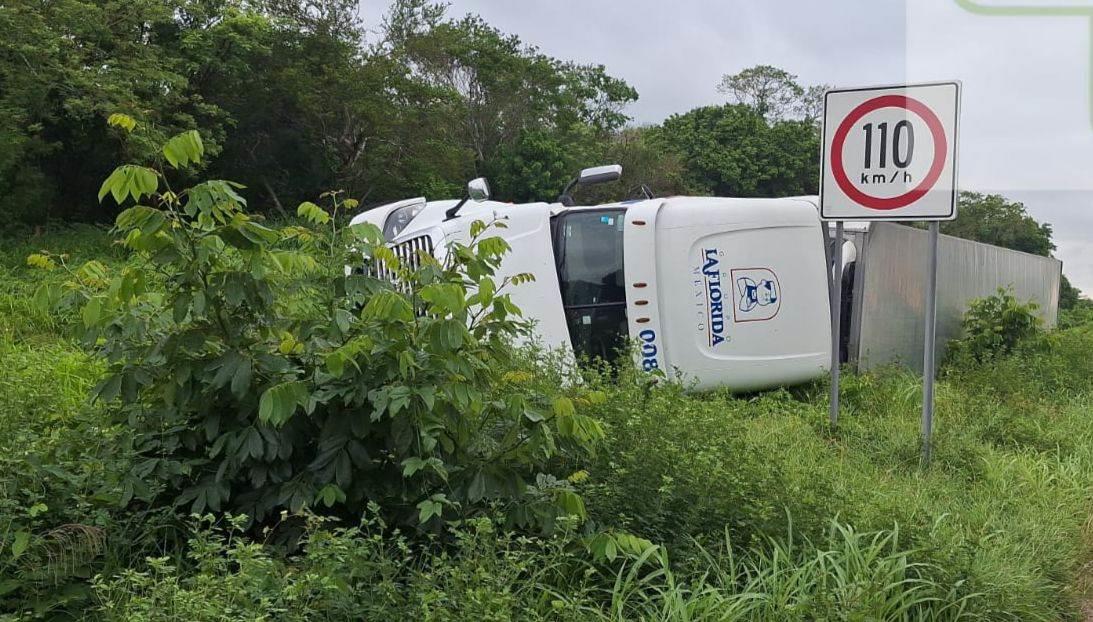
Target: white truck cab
[[714, 291]]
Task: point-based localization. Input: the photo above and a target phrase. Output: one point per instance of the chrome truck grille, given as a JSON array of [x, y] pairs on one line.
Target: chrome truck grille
[[409, 255]]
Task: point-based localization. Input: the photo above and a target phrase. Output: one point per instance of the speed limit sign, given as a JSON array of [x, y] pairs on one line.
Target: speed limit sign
[[889, 153]]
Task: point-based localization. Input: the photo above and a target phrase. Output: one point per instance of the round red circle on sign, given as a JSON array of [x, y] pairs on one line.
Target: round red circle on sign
[[905, 199]]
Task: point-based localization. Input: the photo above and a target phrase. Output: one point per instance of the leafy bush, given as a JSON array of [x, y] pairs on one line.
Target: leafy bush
[[257, 375], [354, 573], [993, 326]]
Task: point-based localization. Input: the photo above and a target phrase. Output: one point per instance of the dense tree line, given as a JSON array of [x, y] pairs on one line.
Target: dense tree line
[[290, 99], [295, 97]]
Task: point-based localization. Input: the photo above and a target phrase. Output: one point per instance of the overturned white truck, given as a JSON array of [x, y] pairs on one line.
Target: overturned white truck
[[728, 292]]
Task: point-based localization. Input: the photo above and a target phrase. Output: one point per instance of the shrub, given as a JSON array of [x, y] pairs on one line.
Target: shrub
[[993, 326], [492, 575], [363, 572], [257, 375]]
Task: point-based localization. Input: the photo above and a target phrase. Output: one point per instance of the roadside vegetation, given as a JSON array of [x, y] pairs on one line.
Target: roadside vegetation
[[154, 382], [759, 511], [202, 417]]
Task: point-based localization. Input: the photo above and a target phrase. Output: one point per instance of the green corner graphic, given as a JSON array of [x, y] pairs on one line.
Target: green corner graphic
[[984, 7]]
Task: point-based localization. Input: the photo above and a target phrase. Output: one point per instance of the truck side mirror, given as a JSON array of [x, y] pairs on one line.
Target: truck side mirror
[[589, 176], [599, 174], [478, 190]]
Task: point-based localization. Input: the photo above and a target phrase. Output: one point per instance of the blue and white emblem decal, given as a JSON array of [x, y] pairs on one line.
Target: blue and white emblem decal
[[758, 294]]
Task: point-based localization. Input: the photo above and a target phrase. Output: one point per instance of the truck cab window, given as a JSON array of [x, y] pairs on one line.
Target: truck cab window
[[588, 250]]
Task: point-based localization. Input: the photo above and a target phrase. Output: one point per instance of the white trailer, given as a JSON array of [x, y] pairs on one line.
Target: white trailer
[[884, 289]]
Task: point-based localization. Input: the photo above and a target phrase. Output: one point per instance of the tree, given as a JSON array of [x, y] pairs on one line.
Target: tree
[[994, 219], [63, 67], [731, 150], [810, 108], [291, 97], [1070, 297], [308, 107], [525, 118], [775, 94], [645, 162], [772, 92]]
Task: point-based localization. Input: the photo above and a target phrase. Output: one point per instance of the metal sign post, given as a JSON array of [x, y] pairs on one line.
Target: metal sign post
[[836, 318], [928, 363], [889, 153]]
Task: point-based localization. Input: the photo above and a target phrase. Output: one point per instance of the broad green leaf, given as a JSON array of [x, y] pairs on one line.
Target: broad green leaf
[[331, 494], [114, 181], [46, 297], [129, 180], [477, 490], [571, 503], [278, 403], [21, 542], [215, 198], [184, 149], [335, 363], [123, 121], [388, 305], [493, 246], [241, 378], [445, 298], [313, 213], [411, 466], [429, 508], [92, 312], [563, 407], [610, 550]]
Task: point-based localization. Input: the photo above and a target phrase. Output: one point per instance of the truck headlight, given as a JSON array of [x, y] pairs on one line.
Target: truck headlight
[[399, 218]]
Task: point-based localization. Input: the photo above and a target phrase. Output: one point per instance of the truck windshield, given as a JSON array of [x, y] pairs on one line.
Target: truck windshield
[[588, 250]]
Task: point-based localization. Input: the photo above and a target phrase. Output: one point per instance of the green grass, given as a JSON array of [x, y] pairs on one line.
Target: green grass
[[1002, 511], [20, 319], [764, 512]]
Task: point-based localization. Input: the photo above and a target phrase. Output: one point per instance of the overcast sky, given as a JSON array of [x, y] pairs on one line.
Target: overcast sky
[[1026, 121]]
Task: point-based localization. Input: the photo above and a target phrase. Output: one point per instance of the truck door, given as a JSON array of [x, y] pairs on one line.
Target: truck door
[[588, 251]]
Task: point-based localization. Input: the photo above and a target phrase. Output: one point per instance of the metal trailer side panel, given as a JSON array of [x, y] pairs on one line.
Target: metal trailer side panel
[[891, 290]]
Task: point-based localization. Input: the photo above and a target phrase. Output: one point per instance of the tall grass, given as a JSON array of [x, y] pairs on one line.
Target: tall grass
[[1002, 512], [851, 575]]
